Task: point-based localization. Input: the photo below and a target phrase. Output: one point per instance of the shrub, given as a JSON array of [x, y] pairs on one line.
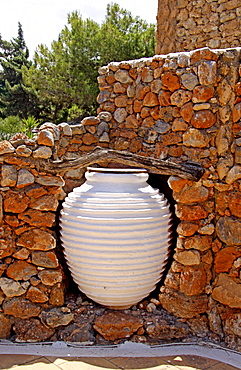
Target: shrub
[[10, 126], [13, 124]]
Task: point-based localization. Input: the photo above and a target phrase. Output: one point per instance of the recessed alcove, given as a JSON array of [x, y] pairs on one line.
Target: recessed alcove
[[190, 145], [159, 182]]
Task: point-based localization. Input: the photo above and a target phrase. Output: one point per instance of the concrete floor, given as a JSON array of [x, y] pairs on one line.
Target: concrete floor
[[184, 362], [59, 355]]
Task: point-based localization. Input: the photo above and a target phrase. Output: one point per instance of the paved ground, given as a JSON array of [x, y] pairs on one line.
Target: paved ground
[[184, 362]]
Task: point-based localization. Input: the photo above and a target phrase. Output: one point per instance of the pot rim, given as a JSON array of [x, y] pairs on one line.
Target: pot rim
[[117, 170]]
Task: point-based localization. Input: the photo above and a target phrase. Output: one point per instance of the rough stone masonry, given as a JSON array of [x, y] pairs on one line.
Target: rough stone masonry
[[179, 107], [192, 24]]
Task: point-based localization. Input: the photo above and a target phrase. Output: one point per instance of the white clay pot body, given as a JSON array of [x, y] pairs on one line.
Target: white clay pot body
[[115, 234]]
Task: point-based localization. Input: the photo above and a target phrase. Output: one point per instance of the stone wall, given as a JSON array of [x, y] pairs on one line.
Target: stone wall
[[191, 24], [179, 107]]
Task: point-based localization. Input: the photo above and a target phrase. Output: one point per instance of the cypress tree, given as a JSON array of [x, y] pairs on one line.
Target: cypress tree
[[15, 97]]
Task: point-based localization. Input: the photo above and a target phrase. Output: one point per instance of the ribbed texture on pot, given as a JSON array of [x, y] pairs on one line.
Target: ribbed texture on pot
[[115, 233]]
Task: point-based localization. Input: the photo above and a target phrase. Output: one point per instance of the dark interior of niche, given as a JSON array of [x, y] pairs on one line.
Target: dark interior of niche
[[159, 182], [70, 286]]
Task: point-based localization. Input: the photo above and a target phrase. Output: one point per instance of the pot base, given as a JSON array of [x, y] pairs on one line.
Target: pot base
[[119, 307]]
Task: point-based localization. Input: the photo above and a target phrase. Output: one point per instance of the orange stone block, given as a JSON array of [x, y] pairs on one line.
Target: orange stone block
[[145, 112], [119, 88], [110, 79], [15, 202], [203, 119], [199, 242], [56, 297], [12, 220], [202, 94], [73, 148], [137, 106], [92, 120], [50, 277], [37, 218], [89, 139], [171, 138], [154, 64], [190, 213], [135, 145], [86, 148], [37, 239], [192, 280], [141, 91], [179, 124], [21, 307], [133, 73], [224, 259], [22, 254], [150, 99], [155, 113], [186, 111], [170, 80], [107, 106], [6, 249], [35, 294], [131, 122], [175, 151], [148, 122], [187, 228], [77, 140], [203, 54], [128, 134], [231, 200], [237, 88], [236, 128], [160, 150], [117, 324], [21, 270], [221, 202], [45, 259], [237, 112], [234, 202], [192, 194], [145, 74], [124, 65], [21, 162], [216, 245], [21, 229], [121, 101], [177, 183], [164, 98], [122, 144]]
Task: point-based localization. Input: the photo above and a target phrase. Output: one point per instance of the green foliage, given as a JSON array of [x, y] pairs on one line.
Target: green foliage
[[15, 98], [14, 124], [10, 126], [124, 37], [66, 74], [28, 124], [75, 113]]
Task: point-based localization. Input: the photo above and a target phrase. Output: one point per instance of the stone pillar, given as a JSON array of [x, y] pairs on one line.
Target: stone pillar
[[192, 24], [166, 26]]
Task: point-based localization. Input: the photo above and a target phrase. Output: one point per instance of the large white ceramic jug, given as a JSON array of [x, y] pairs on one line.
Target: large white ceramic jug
[[115, 234]]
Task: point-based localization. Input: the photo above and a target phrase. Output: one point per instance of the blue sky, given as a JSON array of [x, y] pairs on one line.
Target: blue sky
[[42, 20]]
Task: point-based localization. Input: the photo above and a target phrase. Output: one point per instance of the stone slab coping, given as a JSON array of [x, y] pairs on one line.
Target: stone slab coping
[[127, 349]]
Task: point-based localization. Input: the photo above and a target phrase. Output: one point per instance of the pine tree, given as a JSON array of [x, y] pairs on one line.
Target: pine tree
[[15, 97], [65, 76]]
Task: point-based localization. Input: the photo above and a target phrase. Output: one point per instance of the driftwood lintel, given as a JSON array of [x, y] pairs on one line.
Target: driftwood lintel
[[187, 170]]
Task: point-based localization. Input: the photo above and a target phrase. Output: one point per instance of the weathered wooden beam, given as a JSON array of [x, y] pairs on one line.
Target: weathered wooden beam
[[187, 170]]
